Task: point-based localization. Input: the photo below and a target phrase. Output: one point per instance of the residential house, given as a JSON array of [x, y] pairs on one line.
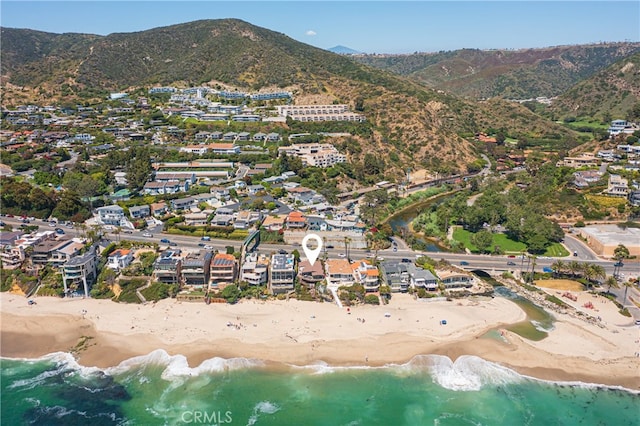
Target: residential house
[[47, 251], [255, 269], [584, 160], [309, 274], [111, 215], [80, 270], [367, 275], [222, 219], [421, 278], [196, 268], [196, 219], [621, 127], [296, 220], [395, 275], [245, 218], [282, 273], [617, 186], [259, 137], [303, 195], [195, 149], [120, 259], [183, 203], [339, 272], [273, 223], [220, 193], [254, 189], [274, 137], [166, 187], [224, 269], [159, 209], [454, 279], [139, 212], [12, 257], [167, 267]]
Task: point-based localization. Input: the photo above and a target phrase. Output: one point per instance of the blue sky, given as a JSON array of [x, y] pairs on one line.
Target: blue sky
[[366, 26]]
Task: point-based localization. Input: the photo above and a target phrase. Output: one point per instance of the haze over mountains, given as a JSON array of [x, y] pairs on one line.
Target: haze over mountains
[[415, 105]]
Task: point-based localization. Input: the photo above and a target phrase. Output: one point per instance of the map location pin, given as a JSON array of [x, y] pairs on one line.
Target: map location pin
[[312, 254]]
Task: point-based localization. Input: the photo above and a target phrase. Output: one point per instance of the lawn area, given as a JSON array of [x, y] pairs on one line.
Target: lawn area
[[556, 250], [560, 284], [500, 240]]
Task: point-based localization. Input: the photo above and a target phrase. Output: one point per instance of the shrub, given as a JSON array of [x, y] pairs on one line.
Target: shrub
[[372, 299]]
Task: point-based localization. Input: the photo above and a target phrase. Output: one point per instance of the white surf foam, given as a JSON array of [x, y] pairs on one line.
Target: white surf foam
[[467, 373], [262, 407], [177, 366]]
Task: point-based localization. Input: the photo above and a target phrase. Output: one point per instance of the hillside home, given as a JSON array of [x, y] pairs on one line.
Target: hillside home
[[120, 259], [139, 212], [80, 270], [617, 186], [111, 215], [159, 209], [167, 267]]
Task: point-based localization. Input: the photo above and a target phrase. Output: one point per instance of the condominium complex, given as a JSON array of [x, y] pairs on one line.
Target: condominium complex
[[319, 113], [315, 154]]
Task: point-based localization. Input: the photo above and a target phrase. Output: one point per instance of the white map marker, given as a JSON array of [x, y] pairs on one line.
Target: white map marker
[[312, 254]]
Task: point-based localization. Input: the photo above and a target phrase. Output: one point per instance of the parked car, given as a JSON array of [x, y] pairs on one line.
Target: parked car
[[165, 241], [59, 231], [53, 224]]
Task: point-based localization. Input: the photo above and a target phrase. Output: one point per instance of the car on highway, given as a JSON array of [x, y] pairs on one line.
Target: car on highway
[[208, 247], [329, 246], [575, 253], [147, 234], [395, 249], [464, 263], [206, 238], [618, 264], [173, 243], [512, 256], [511, 263], [342, 255], [2, 223], [165, 241]]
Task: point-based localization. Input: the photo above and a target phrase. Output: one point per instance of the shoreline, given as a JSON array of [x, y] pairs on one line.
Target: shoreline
[[306, 333]]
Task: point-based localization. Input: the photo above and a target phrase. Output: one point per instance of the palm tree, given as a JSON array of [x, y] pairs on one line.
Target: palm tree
[[558, 267], [574, 267], [117, 233], [598, 272], [611, 282], [347, 241]]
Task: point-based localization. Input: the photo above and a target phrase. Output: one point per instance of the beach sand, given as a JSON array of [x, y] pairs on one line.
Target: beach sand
[[103, 333]]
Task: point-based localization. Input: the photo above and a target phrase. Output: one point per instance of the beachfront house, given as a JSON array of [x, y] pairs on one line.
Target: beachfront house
[[255, 269], [80, 270], [196, 268], [120, 259], [167, 267], [224, 270], [282, 274]]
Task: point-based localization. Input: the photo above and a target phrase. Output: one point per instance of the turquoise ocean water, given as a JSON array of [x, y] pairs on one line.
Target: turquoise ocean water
[[159, 389]]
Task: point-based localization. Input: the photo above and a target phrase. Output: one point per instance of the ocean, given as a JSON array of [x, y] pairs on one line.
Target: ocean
[[158, 389]]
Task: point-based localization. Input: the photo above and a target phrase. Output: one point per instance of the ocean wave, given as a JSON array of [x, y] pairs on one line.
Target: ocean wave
[[262, 407], [177, 366], [467, 373]]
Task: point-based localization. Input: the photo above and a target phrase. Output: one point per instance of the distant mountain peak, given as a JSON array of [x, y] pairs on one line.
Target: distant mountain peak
[[343, 50]]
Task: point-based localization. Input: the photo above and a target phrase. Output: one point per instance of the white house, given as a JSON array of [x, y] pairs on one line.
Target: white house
[[120, 259]]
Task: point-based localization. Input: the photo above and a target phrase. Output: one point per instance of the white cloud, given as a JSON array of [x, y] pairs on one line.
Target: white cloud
[[310, 33]]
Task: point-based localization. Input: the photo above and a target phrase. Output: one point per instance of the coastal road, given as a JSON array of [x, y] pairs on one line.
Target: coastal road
[[574, 245]]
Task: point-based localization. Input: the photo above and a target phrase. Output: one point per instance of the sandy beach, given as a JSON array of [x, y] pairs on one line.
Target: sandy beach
[[103, 333]]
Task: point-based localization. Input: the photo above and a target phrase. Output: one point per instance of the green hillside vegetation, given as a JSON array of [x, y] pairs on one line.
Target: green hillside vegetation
[[610, 94], [510, 74]]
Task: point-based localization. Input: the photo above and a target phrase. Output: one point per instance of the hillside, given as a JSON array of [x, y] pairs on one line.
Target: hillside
[[410, 125], [509, 74], [611, 93]]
